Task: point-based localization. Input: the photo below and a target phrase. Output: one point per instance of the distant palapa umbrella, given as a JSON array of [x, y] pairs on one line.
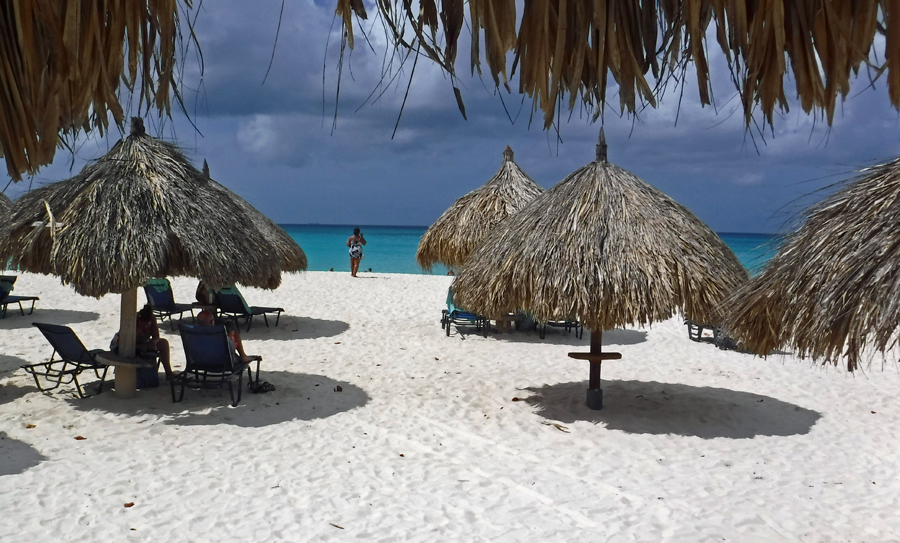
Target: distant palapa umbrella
[[606, 248], [461, 228], [833, 287], [143, 211]]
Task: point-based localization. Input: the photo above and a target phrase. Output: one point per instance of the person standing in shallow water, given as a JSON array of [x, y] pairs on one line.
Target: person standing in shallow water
[[355, 243]]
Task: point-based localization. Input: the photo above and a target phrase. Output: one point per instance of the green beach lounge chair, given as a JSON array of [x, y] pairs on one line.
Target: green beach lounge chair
[[162, 300], [232, 305]]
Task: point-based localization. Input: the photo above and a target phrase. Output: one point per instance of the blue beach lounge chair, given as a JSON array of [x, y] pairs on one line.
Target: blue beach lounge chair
[[211, 362], [232, 305], [6, 286], [162, 300], [73, 359], [457, 316]]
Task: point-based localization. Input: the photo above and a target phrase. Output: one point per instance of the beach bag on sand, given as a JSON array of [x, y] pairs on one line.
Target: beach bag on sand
[[148, 377]]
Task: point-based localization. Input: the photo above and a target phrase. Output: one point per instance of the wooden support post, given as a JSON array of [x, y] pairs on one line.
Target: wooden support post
[[596, 357], [596, 349], [126, 376], [594, 392]]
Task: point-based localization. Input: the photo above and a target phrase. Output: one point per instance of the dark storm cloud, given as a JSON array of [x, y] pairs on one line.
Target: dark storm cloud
[[274, 143]]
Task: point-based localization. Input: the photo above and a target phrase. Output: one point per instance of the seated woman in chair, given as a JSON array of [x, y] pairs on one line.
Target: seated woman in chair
[[205, 318], [146, 338]]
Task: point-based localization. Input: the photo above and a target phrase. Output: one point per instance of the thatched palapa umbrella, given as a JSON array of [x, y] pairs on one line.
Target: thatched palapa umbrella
[[461, 228], [143, 211], [606, 248], [833, 288]]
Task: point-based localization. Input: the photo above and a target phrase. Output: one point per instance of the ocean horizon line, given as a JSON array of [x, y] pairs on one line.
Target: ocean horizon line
[[392, 248], [426, 226]]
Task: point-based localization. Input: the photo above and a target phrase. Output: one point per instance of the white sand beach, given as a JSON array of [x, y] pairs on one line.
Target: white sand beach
[[425, 440]]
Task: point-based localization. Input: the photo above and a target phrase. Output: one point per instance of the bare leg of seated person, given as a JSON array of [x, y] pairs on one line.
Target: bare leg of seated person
[[161, 346], [205, 318], [239, 347]]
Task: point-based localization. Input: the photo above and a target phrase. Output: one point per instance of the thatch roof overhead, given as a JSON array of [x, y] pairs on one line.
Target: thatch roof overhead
[[458, 230], [604, 247], [65, 64], [833, 288], [573, 46], [5, 204], [142, 211]]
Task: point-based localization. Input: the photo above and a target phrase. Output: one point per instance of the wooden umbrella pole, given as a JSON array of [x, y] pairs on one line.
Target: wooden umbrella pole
[[596, 357], [126, 375], [596, 349]]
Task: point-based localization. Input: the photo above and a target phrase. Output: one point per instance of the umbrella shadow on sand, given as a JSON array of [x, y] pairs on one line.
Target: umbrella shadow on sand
[[297, 396], [17, 456], [9, 364], [15, 321], [291, 327], [11, 392], [649, 407]]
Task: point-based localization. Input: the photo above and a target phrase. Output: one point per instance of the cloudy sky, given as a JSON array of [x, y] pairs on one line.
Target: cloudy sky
[[274, 144]]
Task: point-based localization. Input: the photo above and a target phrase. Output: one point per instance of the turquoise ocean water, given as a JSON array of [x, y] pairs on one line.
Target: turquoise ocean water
[[392, 249]]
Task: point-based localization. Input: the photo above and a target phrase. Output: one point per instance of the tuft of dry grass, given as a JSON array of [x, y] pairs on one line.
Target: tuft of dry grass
[[461, 228]]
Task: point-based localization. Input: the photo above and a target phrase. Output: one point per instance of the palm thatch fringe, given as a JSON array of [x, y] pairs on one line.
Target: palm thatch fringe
[[5, 204], [570, 46], [461, 228], [833, 288], [142, 211], [606, 248], [64, 62]]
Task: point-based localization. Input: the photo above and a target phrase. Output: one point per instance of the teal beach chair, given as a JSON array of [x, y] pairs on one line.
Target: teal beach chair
[[457, 316]]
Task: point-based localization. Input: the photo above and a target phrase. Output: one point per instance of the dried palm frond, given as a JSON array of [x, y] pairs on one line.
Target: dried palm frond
[[571, 46], [5, 204], [461, 228], [64, 63], [833, 288], [604, 247], [143, 211]]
